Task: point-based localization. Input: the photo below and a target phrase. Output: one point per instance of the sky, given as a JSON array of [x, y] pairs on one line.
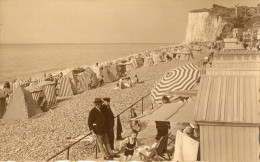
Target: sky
[[99, 21]]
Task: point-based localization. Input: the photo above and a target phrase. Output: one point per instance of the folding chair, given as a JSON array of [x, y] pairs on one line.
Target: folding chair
[[155, 152]]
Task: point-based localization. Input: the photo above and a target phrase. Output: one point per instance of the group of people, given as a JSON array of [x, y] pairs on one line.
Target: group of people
[[101, 123], [127, 82]]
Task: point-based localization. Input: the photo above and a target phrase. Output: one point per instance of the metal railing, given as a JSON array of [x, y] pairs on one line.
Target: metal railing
[[88, 134]]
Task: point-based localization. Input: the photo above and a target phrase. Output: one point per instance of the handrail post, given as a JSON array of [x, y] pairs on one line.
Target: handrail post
[[68, 153], [96, 149], [142, 106], [131, 111]]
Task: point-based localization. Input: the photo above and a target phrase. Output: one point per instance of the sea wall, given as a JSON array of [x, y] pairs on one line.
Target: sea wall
[[203, 27]]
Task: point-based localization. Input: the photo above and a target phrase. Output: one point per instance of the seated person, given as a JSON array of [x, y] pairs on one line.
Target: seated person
[[127, 82], [42, 102], [146, 150]]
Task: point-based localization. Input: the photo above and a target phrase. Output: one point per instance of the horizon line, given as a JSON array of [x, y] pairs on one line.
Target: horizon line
[[78, 43]]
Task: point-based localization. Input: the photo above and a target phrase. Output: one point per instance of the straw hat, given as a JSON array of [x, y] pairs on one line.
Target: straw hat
[[194, 125]]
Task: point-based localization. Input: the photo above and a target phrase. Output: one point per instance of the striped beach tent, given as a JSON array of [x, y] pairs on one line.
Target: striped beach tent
[[49, 90], [35, 91], [82, 83], [180, 78], [66, 88], [87, 80]]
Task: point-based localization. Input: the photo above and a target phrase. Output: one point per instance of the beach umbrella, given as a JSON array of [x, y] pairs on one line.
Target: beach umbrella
[[180, 78]]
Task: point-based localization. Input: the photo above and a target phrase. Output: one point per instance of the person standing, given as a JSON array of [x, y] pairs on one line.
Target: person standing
[[96, 124], [109, 116]]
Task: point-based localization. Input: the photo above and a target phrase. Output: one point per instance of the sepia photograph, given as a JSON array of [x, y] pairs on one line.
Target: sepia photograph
[[130, 80]]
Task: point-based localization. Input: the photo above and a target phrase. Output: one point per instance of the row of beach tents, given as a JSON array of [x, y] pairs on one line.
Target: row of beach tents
[[22, 103]]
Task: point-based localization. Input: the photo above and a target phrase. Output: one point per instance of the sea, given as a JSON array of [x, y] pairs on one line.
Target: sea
[[21, 61]]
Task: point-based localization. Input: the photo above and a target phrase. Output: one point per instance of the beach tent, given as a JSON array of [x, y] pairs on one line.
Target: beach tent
[[82, 85], [157, 58], [67, 88], [95, 69], [108, 76], [35, 91], [2, 103], [92, 76], [21, 106], [129, 66], [148, 61], [227, 112], [86, 78], [72, 75], [140, 61], [180, 78], [121, 69], [113, 70], [133, 61], [172, 112], [49, 90]]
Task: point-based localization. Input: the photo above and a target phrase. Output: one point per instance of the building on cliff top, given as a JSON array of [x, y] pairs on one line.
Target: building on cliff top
[[239, 11]]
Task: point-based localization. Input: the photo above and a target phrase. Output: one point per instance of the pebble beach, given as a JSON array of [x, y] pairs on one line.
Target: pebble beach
[[42, 136]]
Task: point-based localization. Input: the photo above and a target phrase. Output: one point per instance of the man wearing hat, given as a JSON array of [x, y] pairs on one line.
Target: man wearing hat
[[109, 116], [96, 123]]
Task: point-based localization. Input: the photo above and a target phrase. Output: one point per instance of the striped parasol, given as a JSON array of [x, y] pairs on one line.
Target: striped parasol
[[180, 78]]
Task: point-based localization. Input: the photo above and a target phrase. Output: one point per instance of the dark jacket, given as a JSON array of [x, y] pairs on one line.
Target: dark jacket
[[109, 116], [96, 121], [162, 128]]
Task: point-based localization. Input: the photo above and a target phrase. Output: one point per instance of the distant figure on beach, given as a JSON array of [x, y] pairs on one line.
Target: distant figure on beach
[[131, 145], [136, 80], [109, 115], [97, 124], [101, 80], [258, 46]]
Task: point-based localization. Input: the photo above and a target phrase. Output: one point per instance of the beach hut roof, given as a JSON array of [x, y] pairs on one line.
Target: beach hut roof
[[228, 99], [33, 88], [239, 52], [44, 83]]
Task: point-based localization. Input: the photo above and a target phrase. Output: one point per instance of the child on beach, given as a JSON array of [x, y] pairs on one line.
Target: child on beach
[[131, 144]]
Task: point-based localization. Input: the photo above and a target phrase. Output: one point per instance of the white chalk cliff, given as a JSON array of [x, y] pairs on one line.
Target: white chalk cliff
[[203, 27]]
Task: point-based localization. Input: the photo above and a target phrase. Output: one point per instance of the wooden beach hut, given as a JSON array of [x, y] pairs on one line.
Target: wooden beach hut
[[227, 112]]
